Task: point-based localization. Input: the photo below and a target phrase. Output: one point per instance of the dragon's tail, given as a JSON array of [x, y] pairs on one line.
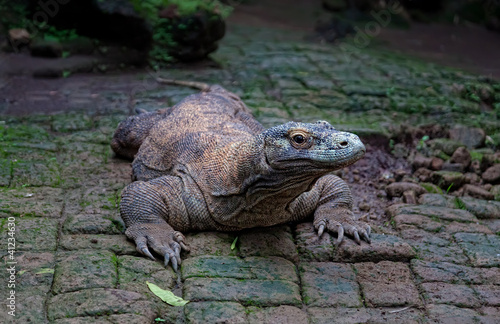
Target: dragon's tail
[[192, 84]]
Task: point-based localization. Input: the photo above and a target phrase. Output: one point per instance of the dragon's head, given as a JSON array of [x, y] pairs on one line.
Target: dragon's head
[[316, 147]]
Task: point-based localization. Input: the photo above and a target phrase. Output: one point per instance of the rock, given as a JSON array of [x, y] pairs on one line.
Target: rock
[[423, 174], [462, 156], [19, 36], [445, 145], [492, 174], [81, 45], [475, 166], [400, 174], [364, 206], [43, 48], [471, 137], [333, 29], [453, 167], [424, 6], [334, 5], [477, 192], [410, 197], [472, 178], [194, 36], [487, 161], [55, 48], [448, 180], [398, 188], [110, 21], [436, 164], [421, 161]]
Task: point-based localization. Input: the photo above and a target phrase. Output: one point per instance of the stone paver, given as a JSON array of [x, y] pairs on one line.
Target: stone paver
[[436, 212], [115, 243], [275, 241], [96, 302], [444, 293], [280, 314], [383, 247], [435, 262], [448, 314], [34, 233], [482, 249], [84, 269], [488, 294], [272, 268], [35, 201], [387, 284], [330, 284], [93, 224], [251, 291], [483, 209], [453, 273], [133, 272], [437, 247], [210, 243], [364, 315], [212, 312]]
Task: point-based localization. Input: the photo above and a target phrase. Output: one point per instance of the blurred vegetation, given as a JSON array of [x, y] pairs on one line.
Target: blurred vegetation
[[13, 14], [162, 15], [170, 20], [149, 9]]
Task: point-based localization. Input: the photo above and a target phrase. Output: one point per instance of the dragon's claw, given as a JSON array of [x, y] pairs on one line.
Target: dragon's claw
[[162, 239], [356, 230]]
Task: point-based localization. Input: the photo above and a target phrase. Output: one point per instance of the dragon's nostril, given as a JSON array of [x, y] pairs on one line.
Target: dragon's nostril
[[343, 143]]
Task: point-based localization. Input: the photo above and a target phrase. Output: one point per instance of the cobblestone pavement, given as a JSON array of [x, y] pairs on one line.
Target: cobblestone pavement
[[60, 189]]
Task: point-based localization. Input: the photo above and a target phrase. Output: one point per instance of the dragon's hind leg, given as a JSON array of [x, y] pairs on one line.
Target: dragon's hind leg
[[153, 212], [133, 131]]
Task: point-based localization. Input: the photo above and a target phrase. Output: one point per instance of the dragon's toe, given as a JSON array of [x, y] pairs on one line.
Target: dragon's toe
[[162, 239], [343, 225]]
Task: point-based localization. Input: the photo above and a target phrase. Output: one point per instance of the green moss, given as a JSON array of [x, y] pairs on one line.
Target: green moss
[[459, 204], [476, 156], [431, 188]]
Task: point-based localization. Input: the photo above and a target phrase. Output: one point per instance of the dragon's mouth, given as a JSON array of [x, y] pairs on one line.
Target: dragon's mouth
[[322, 159]]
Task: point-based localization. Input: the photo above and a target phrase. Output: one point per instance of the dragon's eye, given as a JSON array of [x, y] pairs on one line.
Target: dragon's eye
[[299, 139]]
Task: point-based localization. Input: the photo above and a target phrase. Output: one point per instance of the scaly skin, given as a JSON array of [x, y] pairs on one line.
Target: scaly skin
[[207, 164]]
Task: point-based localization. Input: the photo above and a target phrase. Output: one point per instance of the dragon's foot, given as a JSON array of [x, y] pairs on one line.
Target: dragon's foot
[[162, 238], [342, 222]]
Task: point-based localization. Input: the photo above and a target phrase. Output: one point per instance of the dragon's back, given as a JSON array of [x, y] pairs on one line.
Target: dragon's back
[[195, 128]]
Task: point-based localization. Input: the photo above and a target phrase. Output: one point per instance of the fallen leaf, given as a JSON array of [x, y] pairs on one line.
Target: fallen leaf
[[166, 295], [233, 245], [45, 270]]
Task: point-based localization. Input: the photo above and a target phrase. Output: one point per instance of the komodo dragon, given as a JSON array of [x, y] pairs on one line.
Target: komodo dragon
[[207, 164]]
